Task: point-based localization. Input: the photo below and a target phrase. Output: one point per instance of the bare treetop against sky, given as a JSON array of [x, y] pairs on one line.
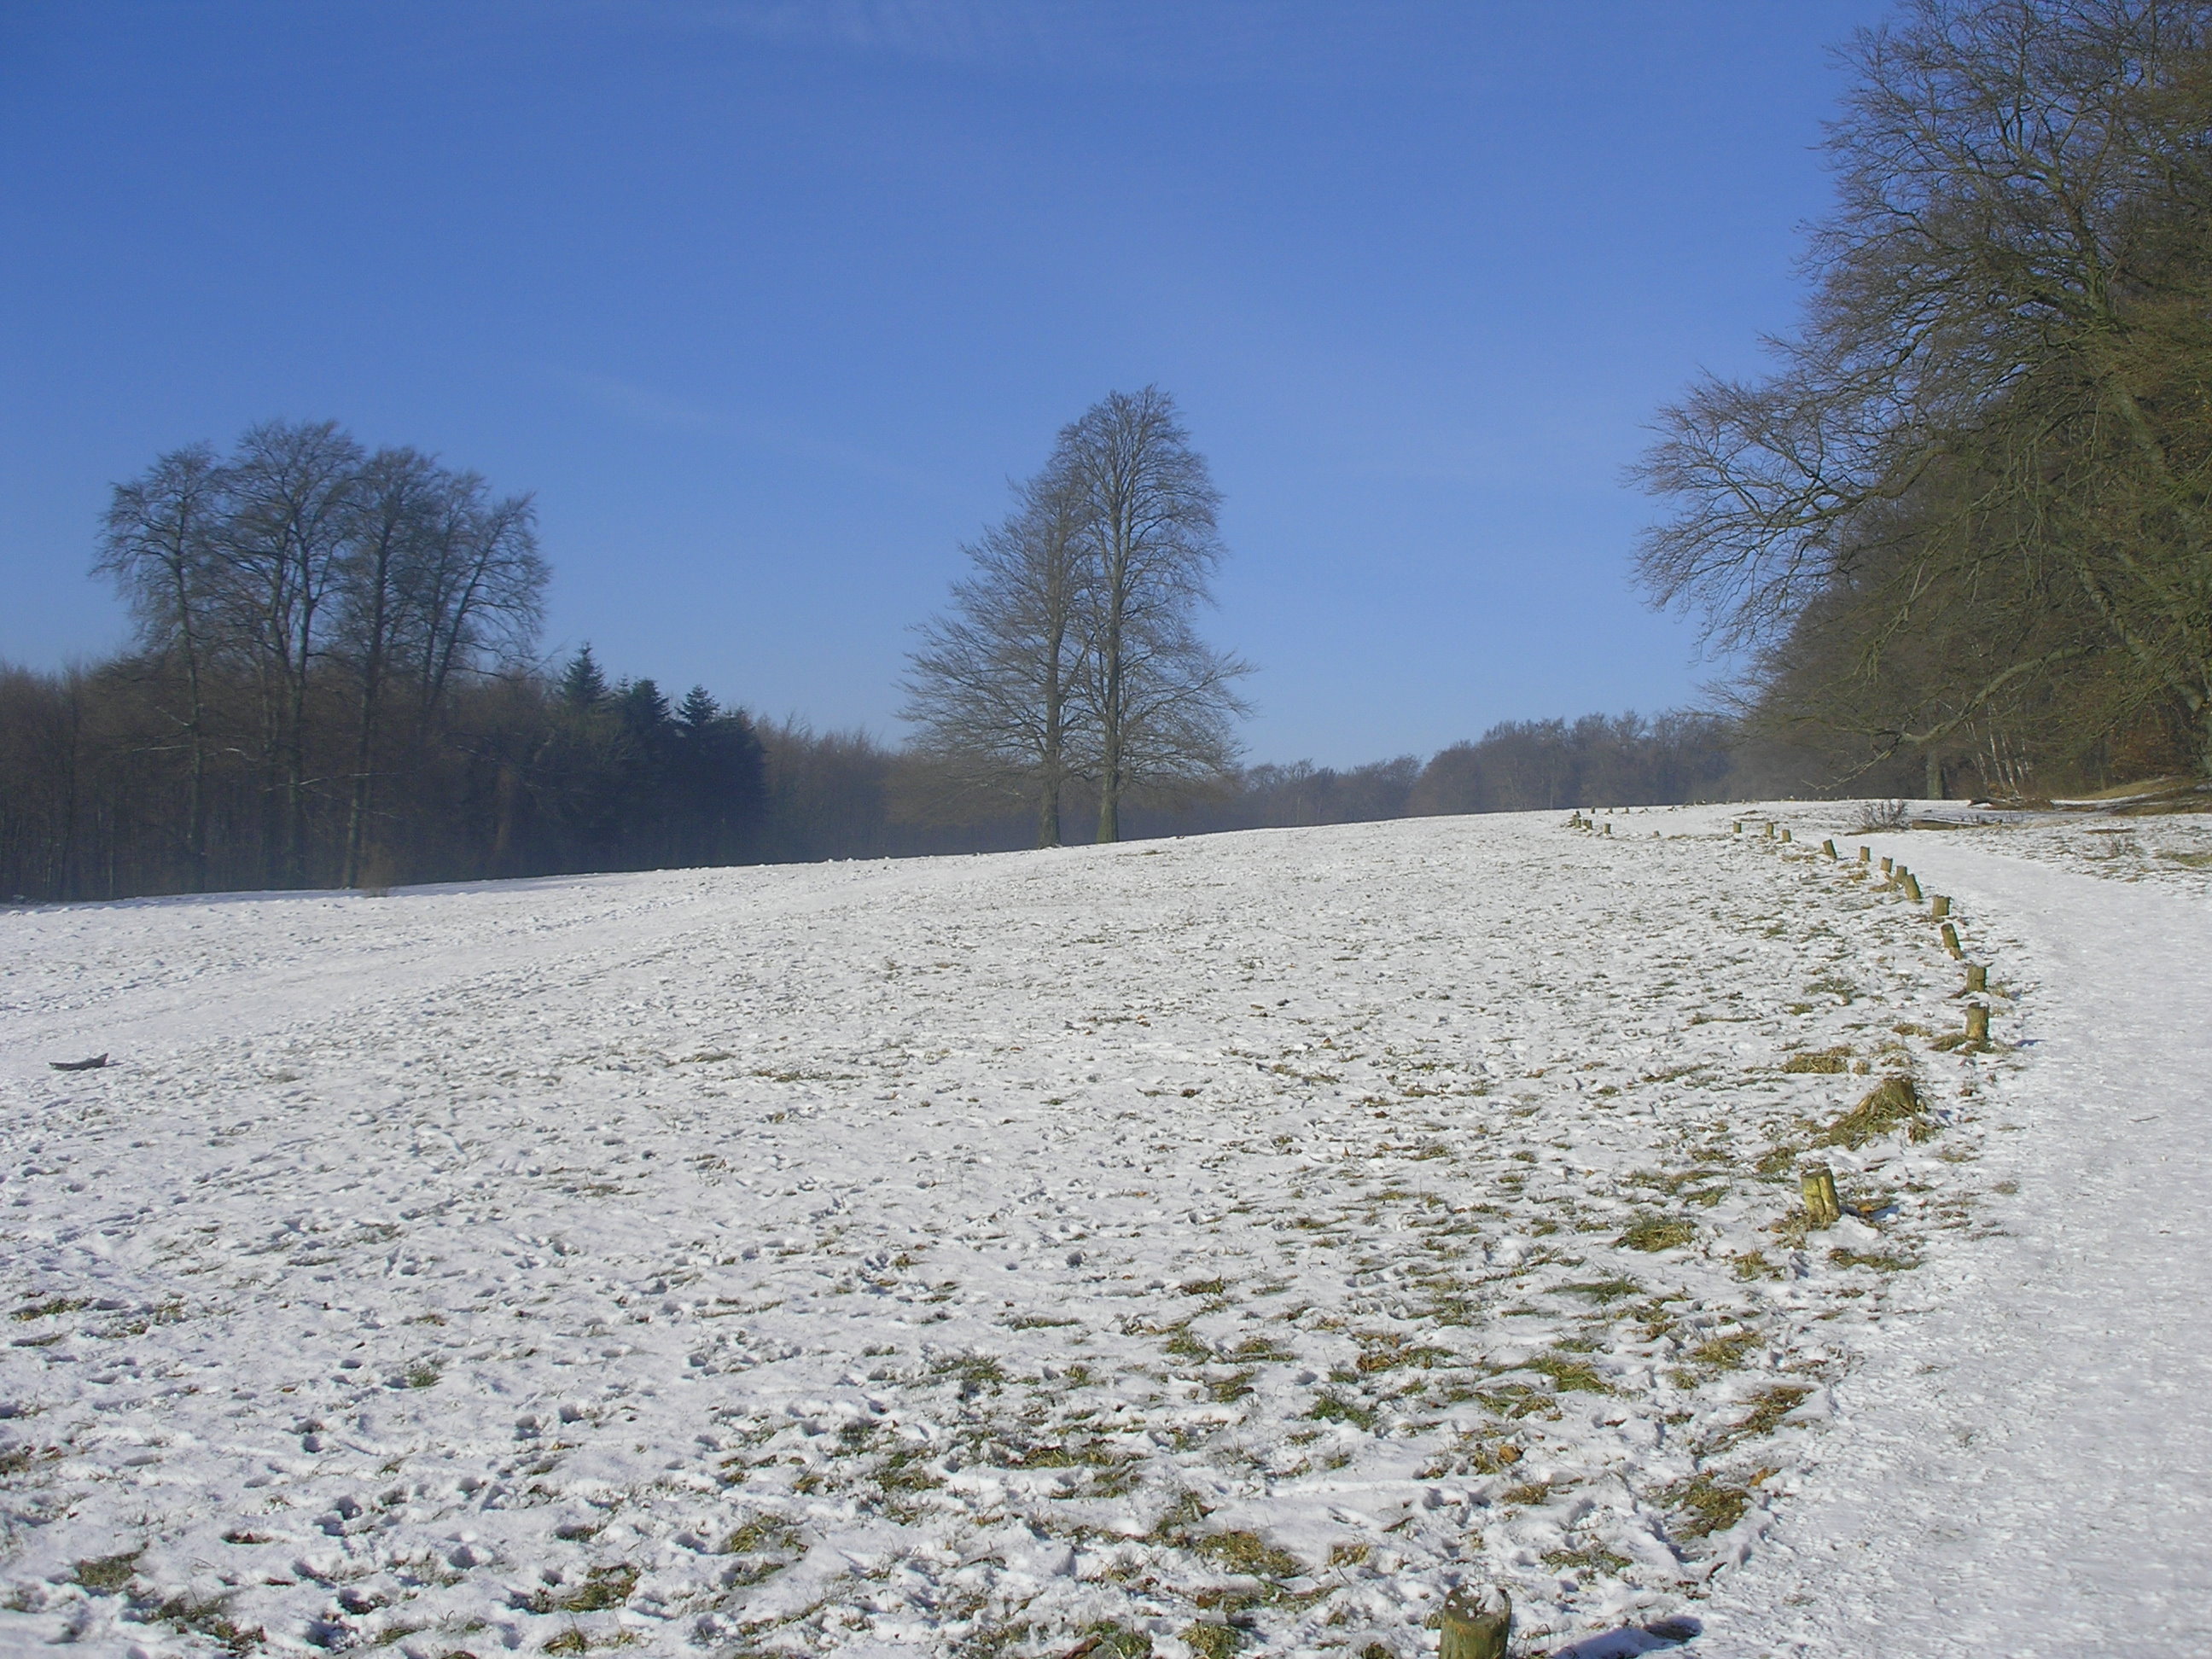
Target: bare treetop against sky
[[767, 302]]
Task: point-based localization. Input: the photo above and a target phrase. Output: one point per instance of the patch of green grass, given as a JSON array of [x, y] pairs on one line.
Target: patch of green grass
[[1890, 1104], [1330, 1406], [1211, 1641], [1518, 1399], [51, 1306], [1247, 1553], [1572, 1376], [1826, 1063], [1225, 1390], [1657, 1232], [1881, 1263], [210, 1618], [974, 1372], [1604, 1290], [603, 1588], [1752, 1264], [1768, 1407], [1725, 1353], [1113, 1641], [1591, 1558], [104, 1575], [1708, 1502]]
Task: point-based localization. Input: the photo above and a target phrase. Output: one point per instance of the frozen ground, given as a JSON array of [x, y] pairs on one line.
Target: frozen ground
[[1224, 1242]]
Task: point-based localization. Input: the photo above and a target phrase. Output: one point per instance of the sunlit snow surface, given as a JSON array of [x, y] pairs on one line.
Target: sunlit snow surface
[[1267, 1231]]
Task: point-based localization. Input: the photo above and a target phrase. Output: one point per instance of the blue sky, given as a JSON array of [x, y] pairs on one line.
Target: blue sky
[[766, 301]]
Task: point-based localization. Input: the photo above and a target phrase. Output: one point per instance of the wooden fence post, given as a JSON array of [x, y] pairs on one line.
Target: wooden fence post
[[1978, 977], [1911, 887], [1829, 848], [1886, 866], [1977, 1026], [1951, 940], [1939, 907], [1476, 1624], [1822, 1207], [1865, 853]]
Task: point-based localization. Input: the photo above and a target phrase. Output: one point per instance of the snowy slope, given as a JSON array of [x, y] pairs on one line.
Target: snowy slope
[[1235, 1241]]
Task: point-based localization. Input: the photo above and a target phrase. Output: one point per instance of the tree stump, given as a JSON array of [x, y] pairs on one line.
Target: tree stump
[[1940, 906], [1951, 940], [1977, 1026], [1978, 977], [1476, 1624], [1822, 1207]]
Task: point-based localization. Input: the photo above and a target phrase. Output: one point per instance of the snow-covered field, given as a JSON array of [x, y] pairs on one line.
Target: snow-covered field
[[1205, 1244]]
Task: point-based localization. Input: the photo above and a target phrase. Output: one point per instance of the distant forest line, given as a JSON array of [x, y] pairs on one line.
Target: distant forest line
[[1958, 541], [533, 772]]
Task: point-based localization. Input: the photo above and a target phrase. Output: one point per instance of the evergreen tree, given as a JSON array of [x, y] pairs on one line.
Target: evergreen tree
[[583, 685]]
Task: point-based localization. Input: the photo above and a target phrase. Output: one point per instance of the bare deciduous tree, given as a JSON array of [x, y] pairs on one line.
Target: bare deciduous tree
[[157, 546], [1069, 651], [991, 689], [1160, 700], [1991, 429]]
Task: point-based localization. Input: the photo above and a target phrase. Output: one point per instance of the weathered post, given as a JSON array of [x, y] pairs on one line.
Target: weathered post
[[1770, 830], [1822, 1207], [1977, 1026], [1739, 827], [1886, 866], [1978, 977], [1951, 940], [1939, 907], [1786, 835], [1829, 848], [1476, 1624], [1912, 887], [1865, 853]]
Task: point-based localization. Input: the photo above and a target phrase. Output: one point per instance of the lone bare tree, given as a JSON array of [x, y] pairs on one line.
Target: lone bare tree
[[1071, 650], [1160, 700], [994, 688]]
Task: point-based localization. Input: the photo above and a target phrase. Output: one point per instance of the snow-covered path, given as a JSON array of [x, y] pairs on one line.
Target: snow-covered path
[[2029, 1474]]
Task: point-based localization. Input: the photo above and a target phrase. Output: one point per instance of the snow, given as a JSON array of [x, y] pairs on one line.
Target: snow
[[1238, 1240]]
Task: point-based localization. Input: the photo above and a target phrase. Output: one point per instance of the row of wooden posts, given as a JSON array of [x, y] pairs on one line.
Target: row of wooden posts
[[1478, 1623], [1823, 1208]]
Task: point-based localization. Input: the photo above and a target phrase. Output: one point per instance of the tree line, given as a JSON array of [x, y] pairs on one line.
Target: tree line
[[1962, 533], [335, 681]]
